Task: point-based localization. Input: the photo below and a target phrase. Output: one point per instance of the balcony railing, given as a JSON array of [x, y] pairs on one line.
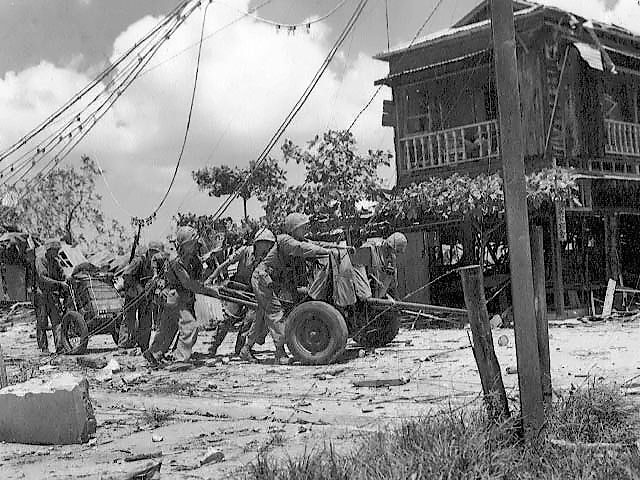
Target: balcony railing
[[623, 138], [452, 146]]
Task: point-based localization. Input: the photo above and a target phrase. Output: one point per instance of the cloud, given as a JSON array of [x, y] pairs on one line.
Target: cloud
[[250, 76]]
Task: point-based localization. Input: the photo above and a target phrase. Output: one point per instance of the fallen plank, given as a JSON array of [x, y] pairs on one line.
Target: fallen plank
[[433, 356], [382, 382]]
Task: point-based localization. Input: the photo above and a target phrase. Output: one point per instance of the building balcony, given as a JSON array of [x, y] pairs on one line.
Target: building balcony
[[623, 138], [452, 146]]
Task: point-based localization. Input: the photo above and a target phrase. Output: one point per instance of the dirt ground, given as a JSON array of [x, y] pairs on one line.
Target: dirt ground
[[242, 409]]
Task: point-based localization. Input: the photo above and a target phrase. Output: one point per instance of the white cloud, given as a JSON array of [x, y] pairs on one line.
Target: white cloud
[[250, 76]]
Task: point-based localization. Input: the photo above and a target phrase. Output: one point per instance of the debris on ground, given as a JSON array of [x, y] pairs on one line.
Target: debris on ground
[[92, 362], [382, 382], [213, 455], [511, 370]]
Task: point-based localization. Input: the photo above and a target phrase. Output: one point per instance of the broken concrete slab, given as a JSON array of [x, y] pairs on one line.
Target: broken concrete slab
[[56, 411]]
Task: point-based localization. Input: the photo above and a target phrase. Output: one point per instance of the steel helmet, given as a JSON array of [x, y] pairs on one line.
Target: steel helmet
[[398, 242], [155, 245], [185, 234], [295, 220], [264, 235]]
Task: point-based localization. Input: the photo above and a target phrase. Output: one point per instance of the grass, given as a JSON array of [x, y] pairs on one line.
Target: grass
[[156, 418], [464, 445]]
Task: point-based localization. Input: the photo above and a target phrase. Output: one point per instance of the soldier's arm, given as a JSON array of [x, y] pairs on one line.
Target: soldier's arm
[[234, 258], [296, 248], [193, 285]]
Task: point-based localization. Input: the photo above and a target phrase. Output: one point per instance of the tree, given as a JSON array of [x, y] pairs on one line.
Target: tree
[[224, 180], [337, 178], [65, 204]]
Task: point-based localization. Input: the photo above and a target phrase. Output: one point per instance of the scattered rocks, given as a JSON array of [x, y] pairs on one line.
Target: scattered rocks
[[157, 438], [213, 455]]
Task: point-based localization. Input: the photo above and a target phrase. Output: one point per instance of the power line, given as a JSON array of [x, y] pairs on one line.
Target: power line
[[413, 40], [92, 84], [296, 108], [186, 132], [206, 37], [292, 26], [86, 123]]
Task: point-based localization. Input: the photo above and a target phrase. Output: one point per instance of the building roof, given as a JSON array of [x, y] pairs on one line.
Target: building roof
[[463, 28]]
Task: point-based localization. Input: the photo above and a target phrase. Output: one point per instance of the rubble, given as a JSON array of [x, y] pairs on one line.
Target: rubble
[[26, 411]]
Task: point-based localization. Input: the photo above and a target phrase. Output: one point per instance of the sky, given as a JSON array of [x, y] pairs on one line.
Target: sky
[[250, 76]]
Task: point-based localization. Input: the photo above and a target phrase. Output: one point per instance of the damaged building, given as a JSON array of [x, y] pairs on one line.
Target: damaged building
[[579, 85]]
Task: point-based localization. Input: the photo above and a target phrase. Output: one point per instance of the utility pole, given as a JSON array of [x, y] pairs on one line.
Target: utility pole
[[506, 72]]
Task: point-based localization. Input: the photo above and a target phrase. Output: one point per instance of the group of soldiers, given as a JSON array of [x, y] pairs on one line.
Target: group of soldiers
[[270, 265]]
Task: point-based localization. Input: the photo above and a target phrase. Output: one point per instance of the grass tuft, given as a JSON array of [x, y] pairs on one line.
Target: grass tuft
[[465, 445]]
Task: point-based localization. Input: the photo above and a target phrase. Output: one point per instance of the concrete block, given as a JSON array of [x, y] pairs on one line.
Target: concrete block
[[53, 411]]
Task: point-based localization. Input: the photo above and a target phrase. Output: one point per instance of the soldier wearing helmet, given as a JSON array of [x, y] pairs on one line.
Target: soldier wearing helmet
[[139, 277], [182, 283], [274, 278], [247, 258], [50, 288], [383, 270]]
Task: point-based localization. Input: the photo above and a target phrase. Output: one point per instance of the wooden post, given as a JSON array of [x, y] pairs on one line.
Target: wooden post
[[512, 155], [488, 366], [558, 281], [542, 327], [4, 382]]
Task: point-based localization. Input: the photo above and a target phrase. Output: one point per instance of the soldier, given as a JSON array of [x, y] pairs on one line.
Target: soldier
[[139, 299], [247, 258], [275, 277], [182, 278], [51, 287], [383, 268]]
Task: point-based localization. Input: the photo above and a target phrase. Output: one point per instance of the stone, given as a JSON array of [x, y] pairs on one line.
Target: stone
[[57, 411], [212, 456]]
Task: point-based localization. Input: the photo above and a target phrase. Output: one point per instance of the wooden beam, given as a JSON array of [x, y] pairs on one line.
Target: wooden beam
[[558, 281], [488, 366], [512, 151], [542, 326]]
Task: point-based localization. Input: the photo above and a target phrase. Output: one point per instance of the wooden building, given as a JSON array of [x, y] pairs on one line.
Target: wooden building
[[579, 82]]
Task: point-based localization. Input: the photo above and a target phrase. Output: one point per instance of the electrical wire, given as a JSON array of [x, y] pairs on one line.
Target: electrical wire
[[290, 25], [296, 108], [413, 40], [186, 132], [206, 37], [129, 72], [32, 133]]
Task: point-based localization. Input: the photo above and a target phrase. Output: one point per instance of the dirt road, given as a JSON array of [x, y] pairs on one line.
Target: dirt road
[[242, 409]]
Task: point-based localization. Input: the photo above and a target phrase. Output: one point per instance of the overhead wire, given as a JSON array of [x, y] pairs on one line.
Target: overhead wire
[[413, 40], [105, 106], [186, 132], [307, 23], [29, 135], [206, 37], [129, 73], [296, 108]]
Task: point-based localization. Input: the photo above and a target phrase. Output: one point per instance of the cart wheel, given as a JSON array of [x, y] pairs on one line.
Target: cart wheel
[[380, 332], [316, 333], [75, 334]]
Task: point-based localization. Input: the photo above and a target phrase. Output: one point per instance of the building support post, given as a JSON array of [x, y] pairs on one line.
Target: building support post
[[537, 260], [506, 72]]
